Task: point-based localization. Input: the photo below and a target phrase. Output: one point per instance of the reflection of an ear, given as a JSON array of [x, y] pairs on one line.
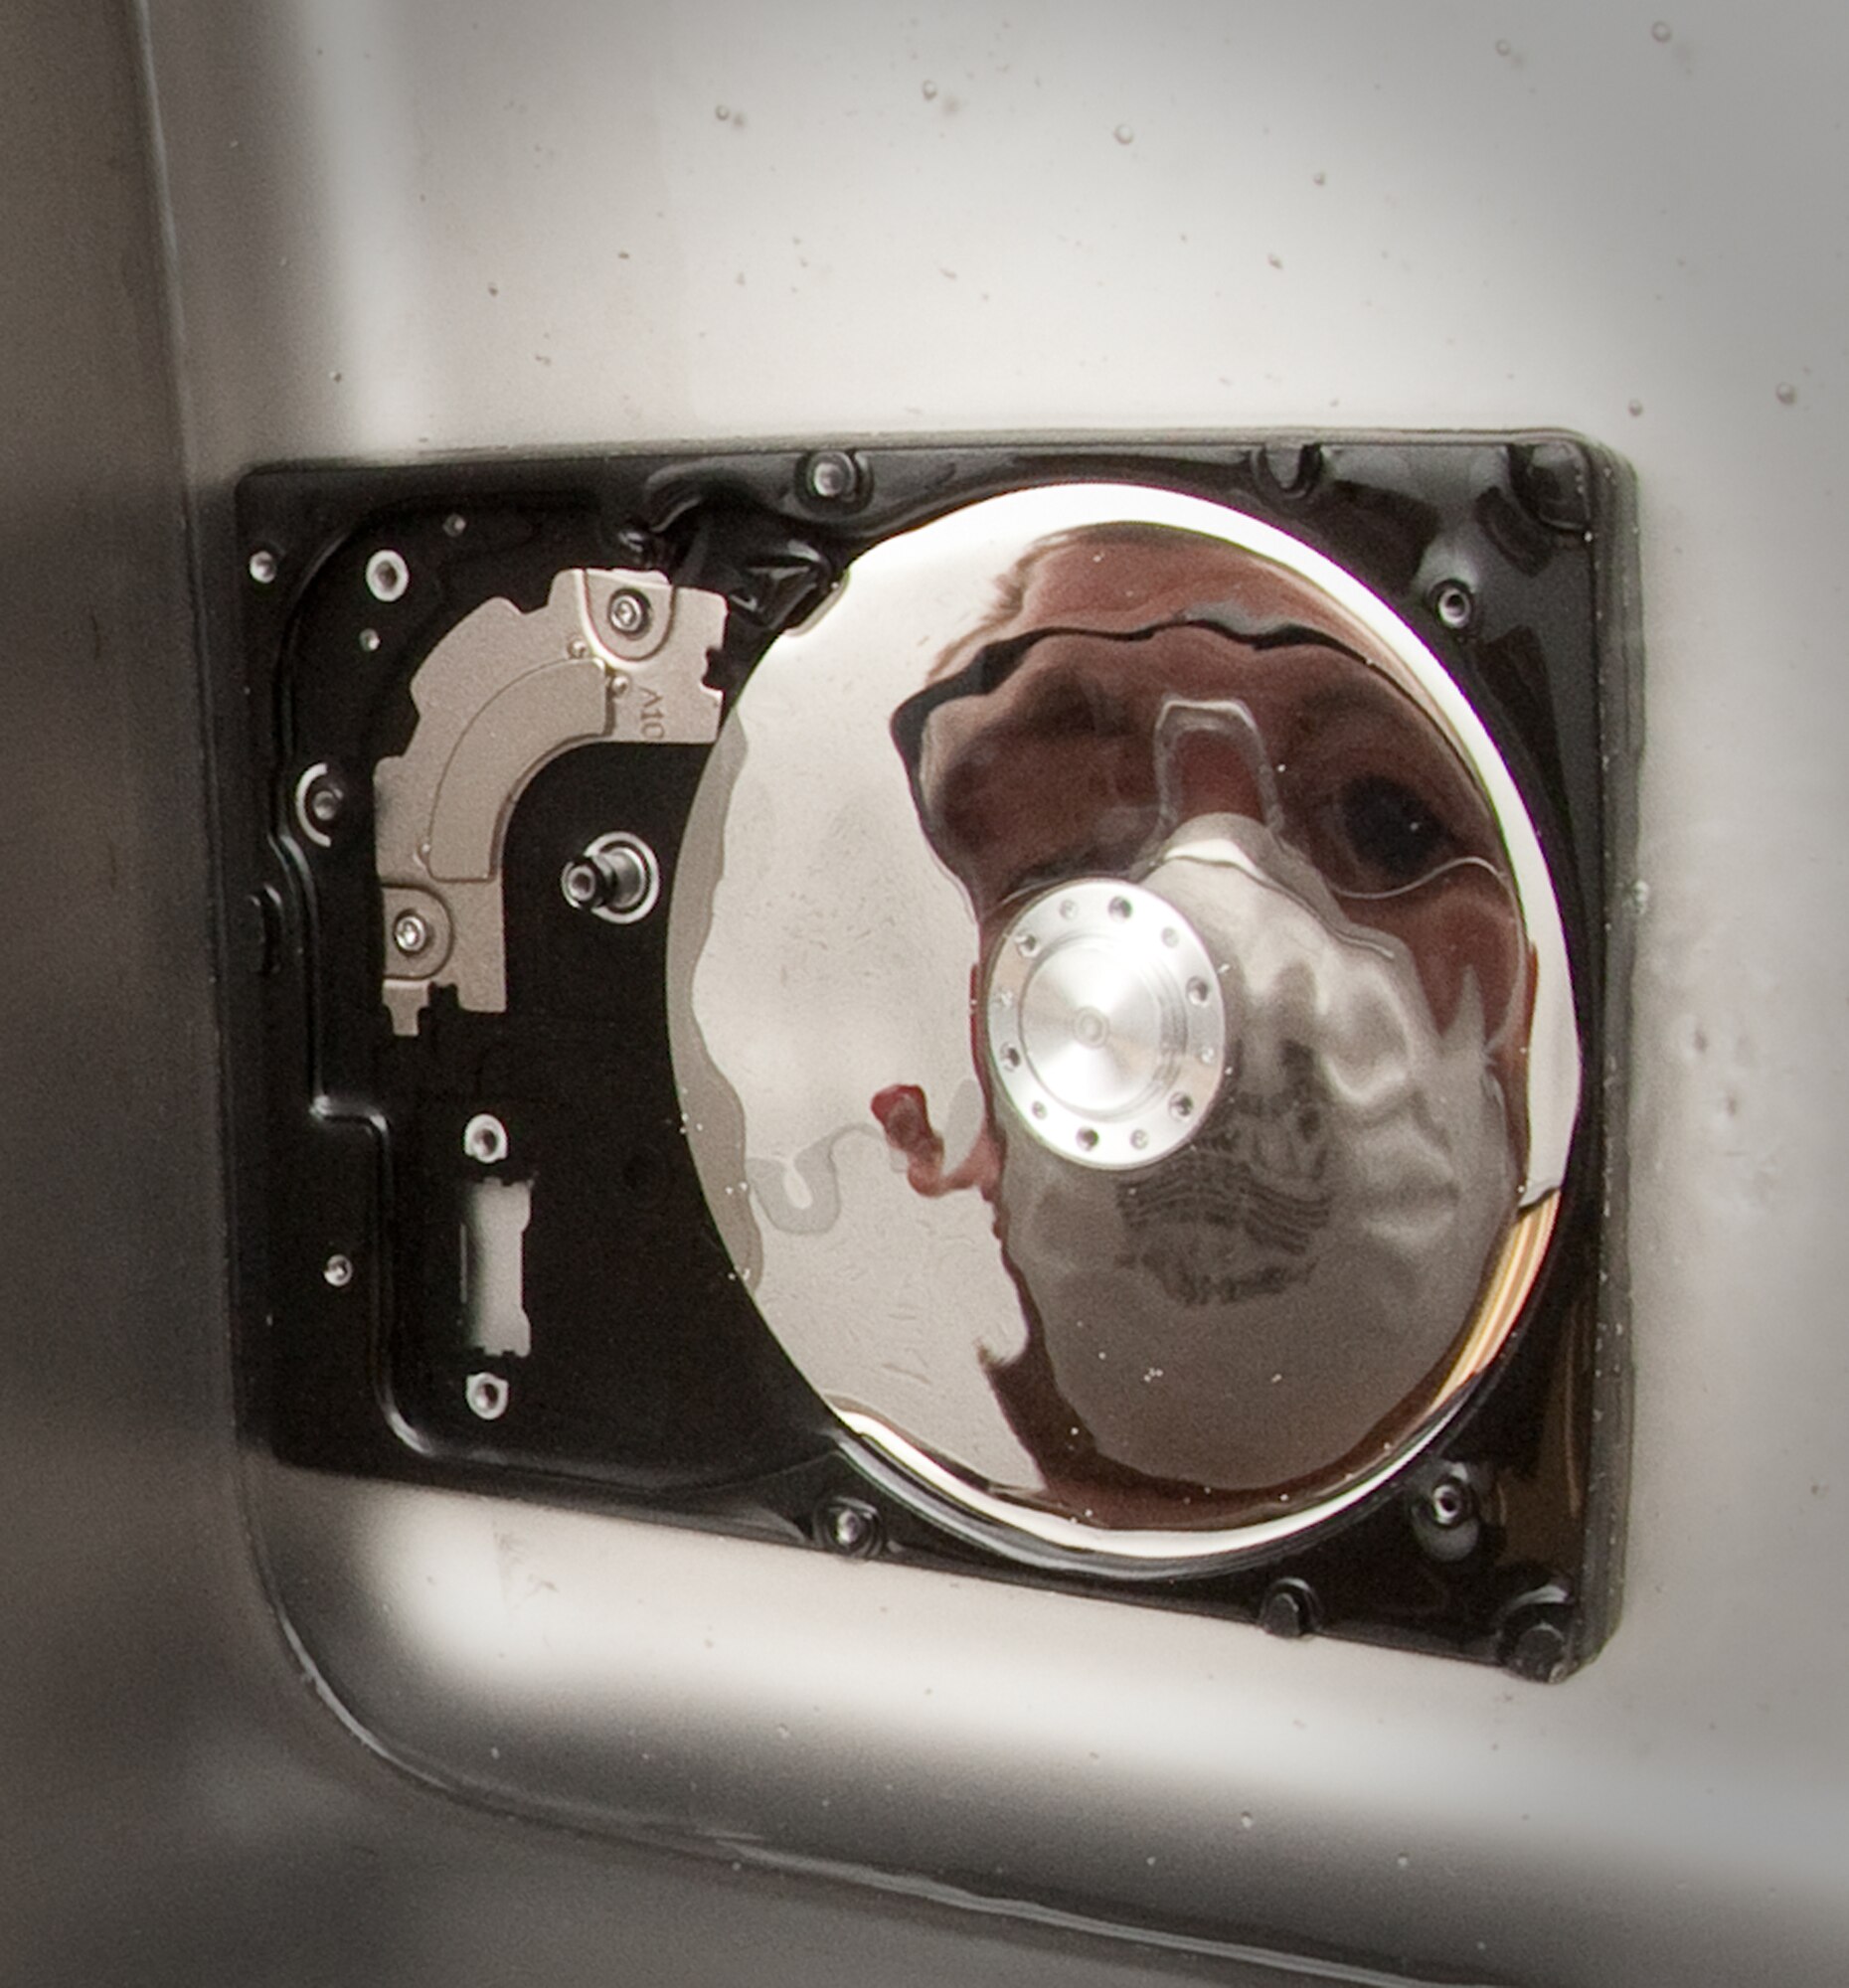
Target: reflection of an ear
[[905, 1119]]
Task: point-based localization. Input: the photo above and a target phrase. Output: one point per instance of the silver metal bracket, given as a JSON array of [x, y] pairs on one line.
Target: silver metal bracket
[[612, 657]]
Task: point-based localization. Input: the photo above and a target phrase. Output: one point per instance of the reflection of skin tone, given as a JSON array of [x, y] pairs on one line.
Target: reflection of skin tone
[[905, 1119], [1137, 678]]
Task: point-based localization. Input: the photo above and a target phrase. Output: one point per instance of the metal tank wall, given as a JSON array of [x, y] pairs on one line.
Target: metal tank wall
[[312, 229]]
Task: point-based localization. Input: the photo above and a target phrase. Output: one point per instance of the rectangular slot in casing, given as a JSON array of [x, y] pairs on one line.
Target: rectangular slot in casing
[[495, 1214]]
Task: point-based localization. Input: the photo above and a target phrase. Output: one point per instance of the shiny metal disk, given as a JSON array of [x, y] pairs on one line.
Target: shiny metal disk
[[1196, 1313]]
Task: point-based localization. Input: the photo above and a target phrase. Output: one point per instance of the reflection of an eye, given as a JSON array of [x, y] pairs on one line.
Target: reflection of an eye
[[1389, 835], [1065, 707]]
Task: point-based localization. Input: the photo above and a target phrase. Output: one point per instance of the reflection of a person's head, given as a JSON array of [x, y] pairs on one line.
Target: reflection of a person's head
[[1134, 677]]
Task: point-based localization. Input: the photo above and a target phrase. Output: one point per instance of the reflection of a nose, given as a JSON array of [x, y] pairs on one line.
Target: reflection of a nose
[[1214, 769]]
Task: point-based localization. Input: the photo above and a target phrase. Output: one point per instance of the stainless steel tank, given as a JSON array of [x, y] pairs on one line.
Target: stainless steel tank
[[271, 1726]]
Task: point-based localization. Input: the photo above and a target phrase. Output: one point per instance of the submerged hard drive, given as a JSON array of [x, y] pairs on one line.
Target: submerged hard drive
[[1044, 1008]]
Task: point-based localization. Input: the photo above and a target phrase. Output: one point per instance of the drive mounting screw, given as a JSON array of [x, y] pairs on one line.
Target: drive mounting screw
[[326, 799], [850, 1528], [832, 476]]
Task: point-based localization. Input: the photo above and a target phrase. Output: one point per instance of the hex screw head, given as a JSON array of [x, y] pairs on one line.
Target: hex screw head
[[484, 1140], [832, 476], [326, 800], [849, 1528], [338, 1270], [629, 612], [262, 567], [411, 934]]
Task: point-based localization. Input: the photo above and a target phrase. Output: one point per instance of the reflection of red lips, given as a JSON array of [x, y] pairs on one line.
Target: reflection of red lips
[[905, 1119]]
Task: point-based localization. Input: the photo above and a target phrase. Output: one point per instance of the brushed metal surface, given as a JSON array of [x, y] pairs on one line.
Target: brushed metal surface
[[441, 228]]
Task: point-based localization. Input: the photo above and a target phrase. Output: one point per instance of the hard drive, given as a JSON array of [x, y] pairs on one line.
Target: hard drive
[[1051, 1009]]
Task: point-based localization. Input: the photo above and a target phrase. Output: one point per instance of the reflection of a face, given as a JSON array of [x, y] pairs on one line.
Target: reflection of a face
[[1135, 679], [1140, 679]]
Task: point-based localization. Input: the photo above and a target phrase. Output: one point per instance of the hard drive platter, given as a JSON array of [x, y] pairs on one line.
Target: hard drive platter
[[1039, 1008]]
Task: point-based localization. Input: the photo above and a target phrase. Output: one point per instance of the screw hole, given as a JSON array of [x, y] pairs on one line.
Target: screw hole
[[487, 1395], [387, 576], [1453, 605]]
